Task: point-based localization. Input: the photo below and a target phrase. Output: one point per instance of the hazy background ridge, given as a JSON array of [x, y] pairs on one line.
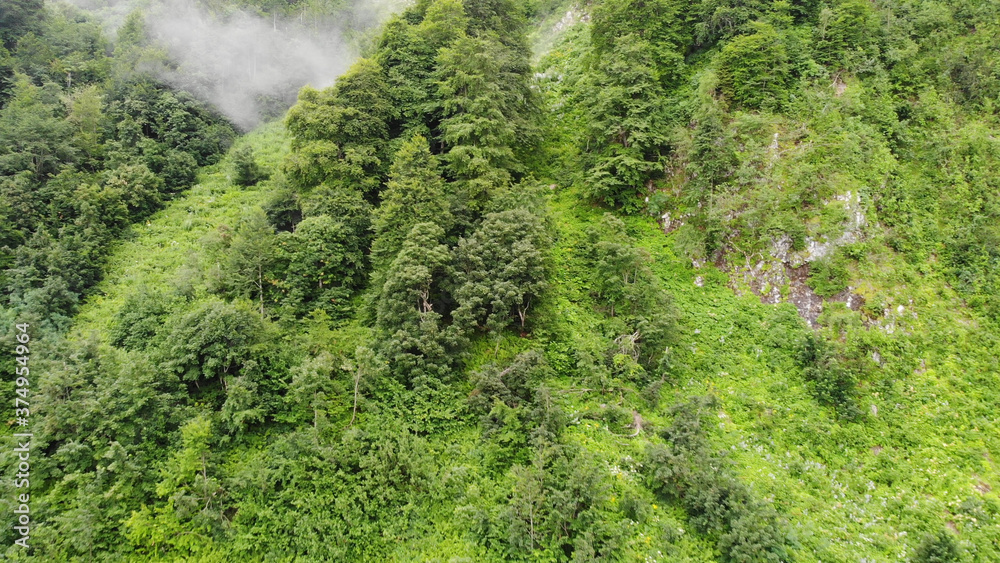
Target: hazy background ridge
[[248, 63]]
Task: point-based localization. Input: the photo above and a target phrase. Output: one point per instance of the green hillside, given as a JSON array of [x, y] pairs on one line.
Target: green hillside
[[633, 280]]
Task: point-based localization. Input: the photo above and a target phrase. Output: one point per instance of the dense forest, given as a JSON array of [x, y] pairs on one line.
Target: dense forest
[[617, 280]]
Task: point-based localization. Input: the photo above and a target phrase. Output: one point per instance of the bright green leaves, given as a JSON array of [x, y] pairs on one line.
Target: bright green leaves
[[847, 35], [193, 513], [443, 23], [33, 136], [340, 133], [249, 258], [315, 388]]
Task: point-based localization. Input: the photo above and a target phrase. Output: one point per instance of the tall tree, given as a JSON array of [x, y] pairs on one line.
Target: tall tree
[[18, 17], [326, 263], [754, 69], [249, 257], [660, 23], [416, 193], [214, 340], [501, 270], [340, 134], [33, 136], [626, 142], [414, 339], [486, 103]]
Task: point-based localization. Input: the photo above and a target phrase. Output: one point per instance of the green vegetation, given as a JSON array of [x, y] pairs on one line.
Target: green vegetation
[[706, 281]]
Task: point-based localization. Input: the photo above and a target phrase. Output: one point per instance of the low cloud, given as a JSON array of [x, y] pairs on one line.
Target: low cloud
[[249, 66]]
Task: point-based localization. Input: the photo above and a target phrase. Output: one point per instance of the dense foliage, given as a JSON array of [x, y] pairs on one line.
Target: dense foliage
[[90, 145], [636, 280]]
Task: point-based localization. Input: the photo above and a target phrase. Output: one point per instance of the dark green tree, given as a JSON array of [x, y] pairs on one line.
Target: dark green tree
[[18, 17], [415, 194], [937, 548], [138, 188], [138, 322], [501, 270], [621, 273], [485, 103], [753, 69], [246, 170], [626, 144], [686, 469], [834, 382], [414, 339], [713, 158], [325, 264], [659, 23]]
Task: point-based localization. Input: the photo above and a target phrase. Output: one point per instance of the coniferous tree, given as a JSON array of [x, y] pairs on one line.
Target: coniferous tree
[[501, 270], [937, 548], [626, 141], [659, 23], [754, 69], [415, 194], [246, 170], [477, 134], [418, 345], [620, 270]]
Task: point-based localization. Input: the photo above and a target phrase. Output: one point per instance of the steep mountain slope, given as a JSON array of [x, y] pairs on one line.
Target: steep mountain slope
[[706, 281]]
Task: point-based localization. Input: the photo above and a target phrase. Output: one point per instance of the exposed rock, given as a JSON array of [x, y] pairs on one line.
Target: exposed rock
[[802, 296], [671, 224], [782, 275]]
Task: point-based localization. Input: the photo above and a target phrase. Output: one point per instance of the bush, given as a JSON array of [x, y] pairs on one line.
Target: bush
[[214, 340], [834, 383], [246, 171], [139, 320], [718, 503], [937, 548], [829, 276]]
